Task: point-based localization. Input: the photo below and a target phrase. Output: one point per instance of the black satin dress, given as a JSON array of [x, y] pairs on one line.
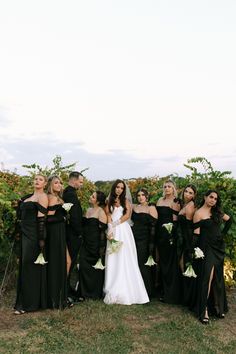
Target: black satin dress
[[168, 259], [212, 244], [90, 279], [32, 279], [143, 230], [56, 257], [185, 233]]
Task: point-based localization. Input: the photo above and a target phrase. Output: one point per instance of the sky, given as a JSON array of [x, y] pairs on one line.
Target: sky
[[125, 88]]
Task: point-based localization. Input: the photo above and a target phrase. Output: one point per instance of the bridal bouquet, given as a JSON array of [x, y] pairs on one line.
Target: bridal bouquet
[[113, 246], [99, 265], [40, 260]]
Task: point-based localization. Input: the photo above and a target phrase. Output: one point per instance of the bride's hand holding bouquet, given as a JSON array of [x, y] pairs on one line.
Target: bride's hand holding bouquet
[[113, 245]]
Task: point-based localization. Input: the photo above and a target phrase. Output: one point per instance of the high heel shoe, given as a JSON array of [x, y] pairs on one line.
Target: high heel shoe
[[19, 312], [220, 315], [205, 320]]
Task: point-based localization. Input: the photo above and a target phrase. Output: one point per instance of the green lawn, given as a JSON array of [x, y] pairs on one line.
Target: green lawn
[[93, 327]]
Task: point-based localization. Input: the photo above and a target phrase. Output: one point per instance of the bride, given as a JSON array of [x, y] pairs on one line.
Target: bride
[[123, 280]]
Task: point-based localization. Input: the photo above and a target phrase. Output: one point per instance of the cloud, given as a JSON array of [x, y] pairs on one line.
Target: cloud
[[114, 163], [41, 150]]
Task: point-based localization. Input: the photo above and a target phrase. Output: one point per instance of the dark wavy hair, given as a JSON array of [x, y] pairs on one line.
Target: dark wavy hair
[[193, 187], [113, 196], [101, 198], [215, 210], [144, 191]]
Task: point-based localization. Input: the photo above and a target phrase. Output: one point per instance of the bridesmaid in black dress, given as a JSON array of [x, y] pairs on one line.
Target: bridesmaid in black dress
[[57, 253], [185, 228], [144, 218], [93, 247], [32, 279], [211, 295], [166, 240]]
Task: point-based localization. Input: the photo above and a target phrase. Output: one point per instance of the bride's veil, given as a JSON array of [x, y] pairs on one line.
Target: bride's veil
[[129, 197]]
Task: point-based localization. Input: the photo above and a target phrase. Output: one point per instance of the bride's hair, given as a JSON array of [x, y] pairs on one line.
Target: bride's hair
[[113, 196]]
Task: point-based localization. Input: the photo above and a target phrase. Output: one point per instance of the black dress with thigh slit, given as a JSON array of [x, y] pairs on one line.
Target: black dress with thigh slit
[[56, 257], [212, 244]]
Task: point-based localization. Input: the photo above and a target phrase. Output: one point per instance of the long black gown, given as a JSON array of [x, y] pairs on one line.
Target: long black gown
[[168, 259], [212, 244], [32, 279], [185, 228], [90, 279], [56, 257], [143, 230]]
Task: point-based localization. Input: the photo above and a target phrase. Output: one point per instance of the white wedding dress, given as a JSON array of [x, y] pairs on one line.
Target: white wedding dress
[[123, 280]]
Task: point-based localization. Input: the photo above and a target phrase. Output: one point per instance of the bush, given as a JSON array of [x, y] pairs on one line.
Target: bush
[[13, 186]]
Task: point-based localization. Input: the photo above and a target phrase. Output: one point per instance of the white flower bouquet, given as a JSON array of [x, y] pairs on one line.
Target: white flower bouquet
[[99, 265], [198, 253], [190, 271], [168, 226], [113, 246], [150, 262], [40, 260], [67, 206]]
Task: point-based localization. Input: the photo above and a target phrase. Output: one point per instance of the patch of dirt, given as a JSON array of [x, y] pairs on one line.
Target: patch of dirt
[[7, 320]]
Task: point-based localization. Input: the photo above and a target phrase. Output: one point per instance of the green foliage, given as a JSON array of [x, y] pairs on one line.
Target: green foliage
[[225, 186], [56, 169], [201, 174]]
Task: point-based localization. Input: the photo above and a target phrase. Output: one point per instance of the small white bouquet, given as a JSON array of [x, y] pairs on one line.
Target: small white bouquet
[[67, 206], [190, 271], [168, 226], [40, 260], [150, 262], [113, 246], [99, 265], [198, 253]]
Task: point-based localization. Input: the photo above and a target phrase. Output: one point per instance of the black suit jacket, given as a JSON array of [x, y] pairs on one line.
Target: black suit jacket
[[75, 225]]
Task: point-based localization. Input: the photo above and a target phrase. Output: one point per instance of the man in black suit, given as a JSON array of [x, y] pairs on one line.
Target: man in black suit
[[74, 224]]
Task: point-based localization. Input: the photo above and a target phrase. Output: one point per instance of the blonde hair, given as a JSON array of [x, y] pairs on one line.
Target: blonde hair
[[49, 189], [169, 181]]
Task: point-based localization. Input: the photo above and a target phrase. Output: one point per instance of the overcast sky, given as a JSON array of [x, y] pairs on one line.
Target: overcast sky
[[128, 88]]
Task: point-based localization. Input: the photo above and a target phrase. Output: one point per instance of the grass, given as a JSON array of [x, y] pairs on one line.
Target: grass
[[93, 327]]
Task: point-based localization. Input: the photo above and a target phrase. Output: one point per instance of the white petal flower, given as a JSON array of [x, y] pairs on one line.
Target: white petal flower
[[99, 265], [40, 260], [190, 272], [168, 226], [67, 206], [150, 262], [198, 253], [113, 246]]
